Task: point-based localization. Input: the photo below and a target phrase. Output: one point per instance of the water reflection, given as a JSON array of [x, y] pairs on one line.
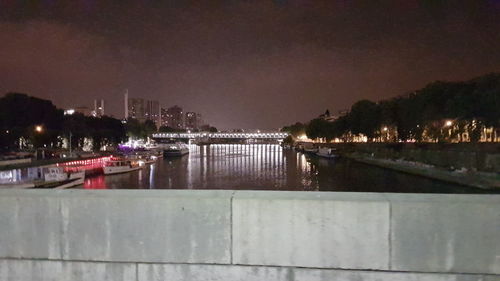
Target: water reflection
[[266, 166]]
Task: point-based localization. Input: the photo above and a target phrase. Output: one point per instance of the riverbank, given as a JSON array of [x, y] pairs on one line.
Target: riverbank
[[463, 176], [482, 157], [45, 162]]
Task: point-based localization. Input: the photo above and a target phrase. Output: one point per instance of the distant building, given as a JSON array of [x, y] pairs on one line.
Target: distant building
[[330, 118], [152, 112], [85, 110], [136, 109], [98, 108], [142, 110], [164, 116], [193, 121], [172, 117]]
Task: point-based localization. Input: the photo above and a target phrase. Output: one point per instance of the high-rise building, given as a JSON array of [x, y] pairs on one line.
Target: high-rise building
[[172, 117], [142, 110], [193, 121], [126, 104], [164, 118], [136, 109], [152, 112]]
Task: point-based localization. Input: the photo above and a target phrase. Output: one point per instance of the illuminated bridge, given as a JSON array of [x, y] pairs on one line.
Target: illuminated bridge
[[209, 136]]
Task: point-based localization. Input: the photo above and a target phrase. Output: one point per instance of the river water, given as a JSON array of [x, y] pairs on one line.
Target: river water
[[267, 167]]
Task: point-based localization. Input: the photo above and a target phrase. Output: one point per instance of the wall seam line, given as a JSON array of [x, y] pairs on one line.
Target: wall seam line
[[390, 235], [231, 228], [61, 229]]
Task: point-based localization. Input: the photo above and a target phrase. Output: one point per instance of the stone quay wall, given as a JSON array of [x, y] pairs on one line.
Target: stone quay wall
[[195, 235], [473, 156]]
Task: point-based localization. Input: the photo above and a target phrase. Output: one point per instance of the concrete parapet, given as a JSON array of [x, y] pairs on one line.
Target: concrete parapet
[[330, 230], [248, 235], [445, 233], [148, 227], [132, 225], [29, 225]]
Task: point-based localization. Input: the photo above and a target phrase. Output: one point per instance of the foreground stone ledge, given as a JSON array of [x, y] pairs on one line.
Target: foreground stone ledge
[[449, 233], [116, 225], [336, 230], [30, 226], [183, 229], [39, 270]]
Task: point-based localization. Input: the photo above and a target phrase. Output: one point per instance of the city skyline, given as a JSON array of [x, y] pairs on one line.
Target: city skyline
[[264, 64]]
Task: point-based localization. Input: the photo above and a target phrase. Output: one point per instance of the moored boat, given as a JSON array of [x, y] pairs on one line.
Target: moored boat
[[48, 177], [143, 159], [311, 150], [175, 149], [119, 166], [327, 152]]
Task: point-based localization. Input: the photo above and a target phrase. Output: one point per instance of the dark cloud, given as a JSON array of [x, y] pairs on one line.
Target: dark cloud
[[242, 63]]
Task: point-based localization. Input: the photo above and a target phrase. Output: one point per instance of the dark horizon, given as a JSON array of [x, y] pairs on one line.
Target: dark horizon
[[263, 64]]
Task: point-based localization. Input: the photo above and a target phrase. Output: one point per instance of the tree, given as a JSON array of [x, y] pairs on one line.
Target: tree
[[208, 128], [320, 128], [20, 114], [297, 129], [149, 127], [76, 125], [133, 128], [166, 129], [471, 106], [364, 118]]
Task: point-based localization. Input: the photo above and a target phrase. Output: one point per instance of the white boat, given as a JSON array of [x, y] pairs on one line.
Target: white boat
[[143, 159], [50, 177], [175, 149], [311, 150], [121, 166], [327, 152]]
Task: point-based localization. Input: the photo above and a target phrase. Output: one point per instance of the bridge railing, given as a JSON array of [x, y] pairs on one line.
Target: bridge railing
[[270, 135]]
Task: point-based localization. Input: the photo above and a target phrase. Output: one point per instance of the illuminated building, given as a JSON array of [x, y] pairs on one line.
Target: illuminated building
[[172, 117], [193, 121], [152, 112]]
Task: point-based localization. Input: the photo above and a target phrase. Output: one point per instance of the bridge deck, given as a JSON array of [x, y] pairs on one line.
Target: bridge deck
[[271, 135]]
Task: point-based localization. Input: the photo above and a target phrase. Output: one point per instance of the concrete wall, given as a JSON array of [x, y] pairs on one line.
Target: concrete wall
[[247, 235], [14, 161], [480, 156]]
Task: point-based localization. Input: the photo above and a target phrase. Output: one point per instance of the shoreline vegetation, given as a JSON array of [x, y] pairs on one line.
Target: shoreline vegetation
[[442, 114]]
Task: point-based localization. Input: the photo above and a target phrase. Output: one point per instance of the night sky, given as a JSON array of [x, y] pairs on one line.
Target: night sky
[[242, 64]]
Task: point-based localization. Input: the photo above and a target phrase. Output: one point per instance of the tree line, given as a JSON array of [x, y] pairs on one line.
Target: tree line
[[441, 111], [30, 122], [27, 121]]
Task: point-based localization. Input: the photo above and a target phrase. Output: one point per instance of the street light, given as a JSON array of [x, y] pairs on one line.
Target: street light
[[38, 129], [448, 123]]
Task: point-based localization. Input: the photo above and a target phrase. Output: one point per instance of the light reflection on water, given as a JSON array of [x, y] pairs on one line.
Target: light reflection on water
[[265, 166]]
